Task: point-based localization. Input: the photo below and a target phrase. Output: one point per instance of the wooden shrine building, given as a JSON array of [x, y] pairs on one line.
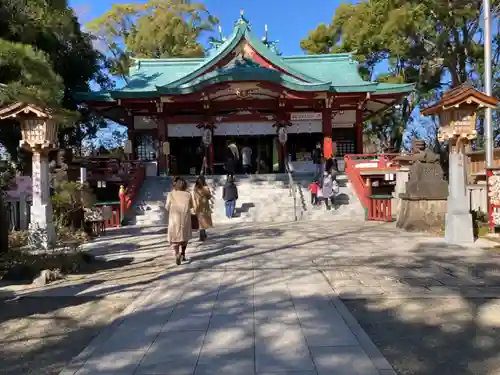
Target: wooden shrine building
[[243, 92]]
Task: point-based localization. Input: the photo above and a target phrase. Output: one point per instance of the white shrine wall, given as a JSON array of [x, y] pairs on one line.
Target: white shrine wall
[[302, 122], [249, 128]]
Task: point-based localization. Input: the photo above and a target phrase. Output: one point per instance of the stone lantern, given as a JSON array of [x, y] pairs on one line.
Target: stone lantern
[[457, 111], [39, 132]]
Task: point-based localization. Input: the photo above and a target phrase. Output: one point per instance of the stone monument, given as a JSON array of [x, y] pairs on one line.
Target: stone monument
[[457, 115], [58, 169], [423, 204], [38, 129]]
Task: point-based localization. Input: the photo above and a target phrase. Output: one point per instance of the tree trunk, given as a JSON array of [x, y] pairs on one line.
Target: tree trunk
[[4, 227]]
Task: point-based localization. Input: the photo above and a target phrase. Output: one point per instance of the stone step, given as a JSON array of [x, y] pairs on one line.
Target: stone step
[[262, 198]]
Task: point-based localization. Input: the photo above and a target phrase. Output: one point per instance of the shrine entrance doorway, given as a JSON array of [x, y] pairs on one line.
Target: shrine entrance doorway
[[261, 146]]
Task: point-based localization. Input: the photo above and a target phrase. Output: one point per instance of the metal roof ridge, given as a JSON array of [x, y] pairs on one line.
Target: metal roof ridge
[[321, 56], [168, 60], [278, 60], [229, 44]]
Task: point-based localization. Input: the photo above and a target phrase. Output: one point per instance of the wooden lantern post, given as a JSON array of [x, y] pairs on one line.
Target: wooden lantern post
[[39, 134], [457, 111]]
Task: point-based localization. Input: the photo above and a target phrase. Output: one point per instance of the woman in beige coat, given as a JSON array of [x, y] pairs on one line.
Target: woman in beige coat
[[179, 206], [201, 201]]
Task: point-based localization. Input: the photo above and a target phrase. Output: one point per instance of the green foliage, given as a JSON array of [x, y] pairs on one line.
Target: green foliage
[[424, 41], [27, 76], [155, 29], [44, 58], [7, 174], [69, 198], [18, 239]]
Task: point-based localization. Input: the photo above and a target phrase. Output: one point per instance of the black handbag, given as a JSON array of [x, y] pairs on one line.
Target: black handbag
[[195, 224]]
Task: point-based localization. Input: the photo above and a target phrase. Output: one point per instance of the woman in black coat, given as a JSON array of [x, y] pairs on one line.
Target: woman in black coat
[[231, 166]]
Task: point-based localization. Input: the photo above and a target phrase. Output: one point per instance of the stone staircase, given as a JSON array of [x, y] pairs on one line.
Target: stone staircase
[[150, 207], [347, 203], [262, 198]]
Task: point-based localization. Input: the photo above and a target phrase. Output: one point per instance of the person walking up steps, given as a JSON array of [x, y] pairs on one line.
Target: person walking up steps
[[179, 206], [314, 188], [246, 157], [230, 196], [329, 189], [201, 201]]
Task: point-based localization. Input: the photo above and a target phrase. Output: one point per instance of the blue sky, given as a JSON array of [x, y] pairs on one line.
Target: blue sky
[[288, 21]]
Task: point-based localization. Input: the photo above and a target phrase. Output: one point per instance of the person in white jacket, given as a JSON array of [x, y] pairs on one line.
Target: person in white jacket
[[329, 189]]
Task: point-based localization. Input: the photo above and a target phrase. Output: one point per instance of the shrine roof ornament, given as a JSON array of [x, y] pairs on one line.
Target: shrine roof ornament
[[335, 73], [20, 109], [463, 94], [271, 44]]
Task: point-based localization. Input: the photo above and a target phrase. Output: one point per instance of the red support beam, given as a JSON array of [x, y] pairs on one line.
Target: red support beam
[[327, 133], [359, 131], [131, 135], [162, 137]]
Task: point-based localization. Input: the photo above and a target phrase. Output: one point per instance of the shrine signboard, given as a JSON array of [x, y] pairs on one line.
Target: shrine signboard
[[493, 194]]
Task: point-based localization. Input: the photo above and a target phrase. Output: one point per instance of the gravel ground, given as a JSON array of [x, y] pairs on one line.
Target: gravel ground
[[39, 336], [430, 336]]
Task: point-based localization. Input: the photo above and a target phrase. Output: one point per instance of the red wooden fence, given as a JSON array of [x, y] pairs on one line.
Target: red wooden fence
[[380, 208], [355, 163]]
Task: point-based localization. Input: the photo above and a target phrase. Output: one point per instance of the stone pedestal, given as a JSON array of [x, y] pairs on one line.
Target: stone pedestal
[[459, 226], [416, 214], [423, 204], [42, 226], [402, 177]]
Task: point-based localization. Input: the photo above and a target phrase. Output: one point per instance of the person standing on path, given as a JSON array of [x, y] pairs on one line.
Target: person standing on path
[[230, 196], [314, 188], [201, 201], [231, 166], [246, 157], [179, 206], [327, 189], [317, 159]]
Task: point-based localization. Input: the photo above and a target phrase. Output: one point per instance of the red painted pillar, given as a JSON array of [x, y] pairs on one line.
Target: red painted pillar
[[162, 137], [131, 136], [327, 133], [211, 156], [123, 197], [359, 131], [279, 148]]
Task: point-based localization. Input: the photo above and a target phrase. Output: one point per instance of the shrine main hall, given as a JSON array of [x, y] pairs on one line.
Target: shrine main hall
[[246, 93]]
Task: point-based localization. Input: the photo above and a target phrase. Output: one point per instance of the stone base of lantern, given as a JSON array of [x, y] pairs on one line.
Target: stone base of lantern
[[458, 223], [42, 229]]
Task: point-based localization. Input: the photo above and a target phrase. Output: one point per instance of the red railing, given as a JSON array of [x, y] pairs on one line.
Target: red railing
[[129, 195], [355, 163], [112, 221], [379, 208]]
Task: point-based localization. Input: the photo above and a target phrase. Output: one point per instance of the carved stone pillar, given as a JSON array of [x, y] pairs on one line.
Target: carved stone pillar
[[42, 224]]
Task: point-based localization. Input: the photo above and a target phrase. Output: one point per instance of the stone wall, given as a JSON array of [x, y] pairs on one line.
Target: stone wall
[[421, 215]]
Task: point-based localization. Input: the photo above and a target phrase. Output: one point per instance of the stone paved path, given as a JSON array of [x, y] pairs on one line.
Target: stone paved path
[[267, 300]]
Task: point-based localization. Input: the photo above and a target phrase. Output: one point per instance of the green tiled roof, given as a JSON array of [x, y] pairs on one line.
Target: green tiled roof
[[150, 78]]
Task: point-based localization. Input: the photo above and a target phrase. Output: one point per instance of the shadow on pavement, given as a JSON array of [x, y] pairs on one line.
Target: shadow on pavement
[[433, 325]]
